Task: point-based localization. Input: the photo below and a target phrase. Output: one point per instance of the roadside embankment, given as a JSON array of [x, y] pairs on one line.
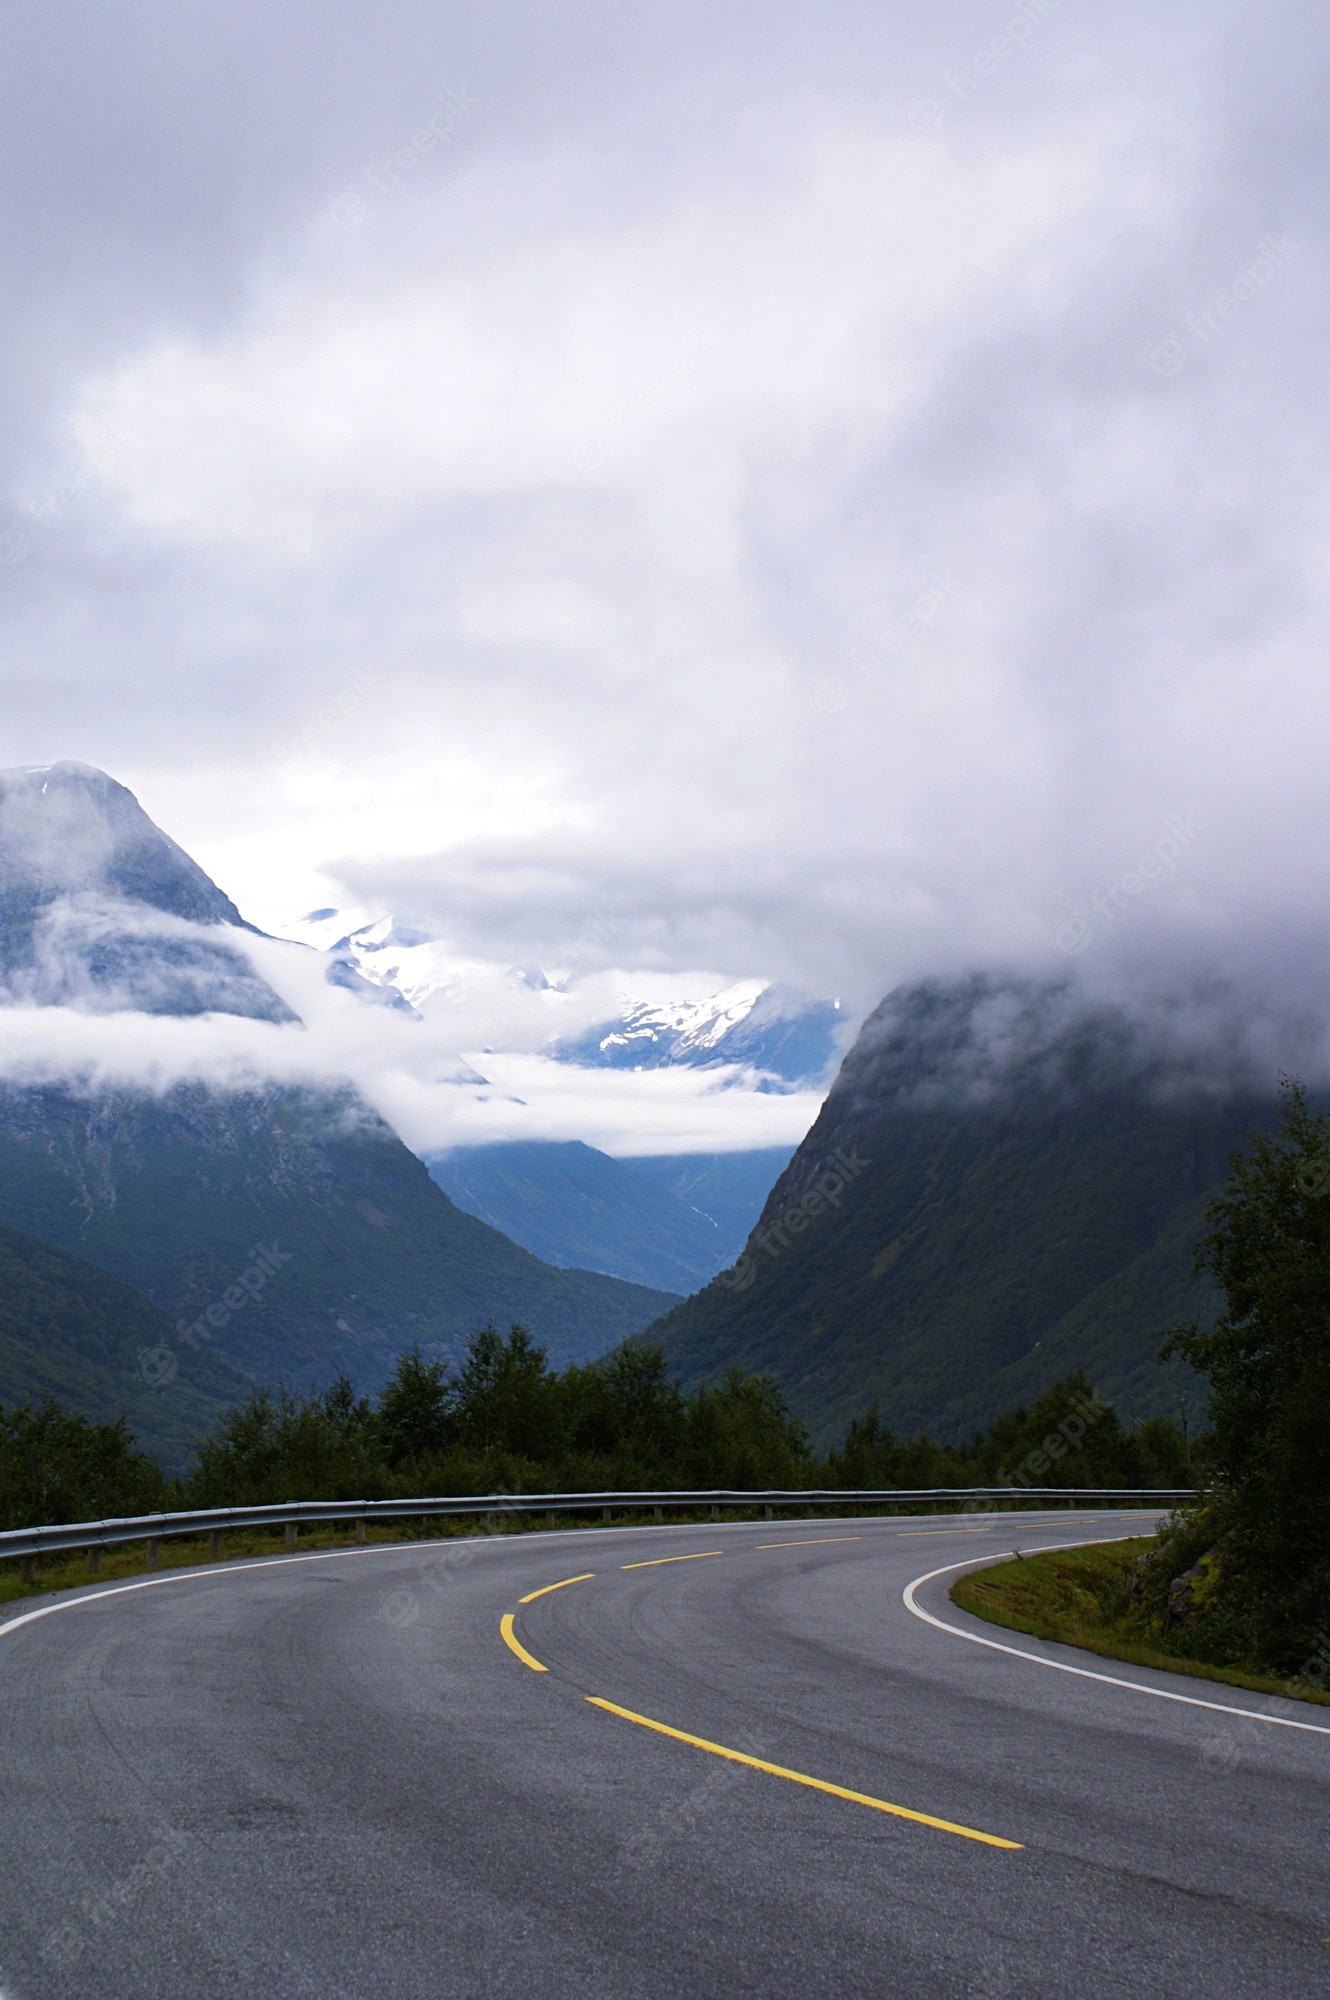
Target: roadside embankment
[[1083, 1597]]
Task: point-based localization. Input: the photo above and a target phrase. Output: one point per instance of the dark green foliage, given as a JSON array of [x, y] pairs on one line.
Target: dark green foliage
[[56, 1466], [1268, 1362], [284, 1448], [70, 1331], [1070, 1437], [1067, 1437], [873, 1456], [415, 1419], [506, 1422], [740, 1433], [506, 1396], [627, 1404]]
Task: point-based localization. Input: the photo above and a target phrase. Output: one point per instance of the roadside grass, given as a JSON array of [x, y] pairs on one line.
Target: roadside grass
[[1081, 1597]]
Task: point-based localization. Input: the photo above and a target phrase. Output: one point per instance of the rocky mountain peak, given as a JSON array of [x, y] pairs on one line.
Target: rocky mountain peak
[[68, 829]]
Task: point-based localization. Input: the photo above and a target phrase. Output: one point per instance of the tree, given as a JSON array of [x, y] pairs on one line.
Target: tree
[[870, 1455], [626, 1414], [506, 1395], [1268, 1362], [740, 1434], [415, 1419], [1068, 1437], [56, 1465], [279, 1447]]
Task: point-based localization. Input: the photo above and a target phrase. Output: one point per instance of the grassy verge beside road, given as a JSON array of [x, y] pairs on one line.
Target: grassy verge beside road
[[1082, 1597]]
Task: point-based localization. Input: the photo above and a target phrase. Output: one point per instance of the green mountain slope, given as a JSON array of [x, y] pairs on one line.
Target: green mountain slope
[[187, 1197], [1112, 1334], [999, 1188], [69, 1330]]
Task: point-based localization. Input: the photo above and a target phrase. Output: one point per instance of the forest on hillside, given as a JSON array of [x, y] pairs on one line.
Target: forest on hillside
[[506, 1422]]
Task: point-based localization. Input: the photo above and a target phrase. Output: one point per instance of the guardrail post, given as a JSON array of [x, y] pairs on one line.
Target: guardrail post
[[360, 1528], [767, 1510], [604, 1513], [27, 1569], [152, 1553], [659, 1513], [715, 1511], [214, 1543], [549, 1517], [94, 1561], [492, 1524], [292, 1531]]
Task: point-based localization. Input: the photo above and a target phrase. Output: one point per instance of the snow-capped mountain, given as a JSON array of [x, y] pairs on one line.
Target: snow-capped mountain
[[671, 1221], [403, 962], [785, 1035], [765, 1027]]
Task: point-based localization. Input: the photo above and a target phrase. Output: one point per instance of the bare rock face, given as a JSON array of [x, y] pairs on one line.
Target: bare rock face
[[1179, 1601]]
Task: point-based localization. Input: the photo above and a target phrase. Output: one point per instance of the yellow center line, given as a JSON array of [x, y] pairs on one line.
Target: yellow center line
[[545, 1588], [514, 1645], [659, 1561], [800, 1778], [811, 1542]]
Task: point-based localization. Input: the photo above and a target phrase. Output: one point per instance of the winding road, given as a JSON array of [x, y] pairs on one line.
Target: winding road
[[767, 1759]]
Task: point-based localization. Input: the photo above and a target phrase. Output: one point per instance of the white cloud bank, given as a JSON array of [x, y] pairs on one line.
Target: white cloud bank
[[788, 496], [658, 364], [412, 1071]]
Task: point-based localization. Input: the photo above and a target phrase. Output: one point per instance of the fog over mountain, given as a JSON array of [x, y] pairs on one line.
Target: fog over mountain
[[1005, 1185], [122, 966]]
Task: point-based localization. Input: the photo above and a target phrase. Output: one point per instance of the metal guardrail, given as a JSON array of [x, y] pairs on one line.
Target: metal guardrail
[[26, 1544]]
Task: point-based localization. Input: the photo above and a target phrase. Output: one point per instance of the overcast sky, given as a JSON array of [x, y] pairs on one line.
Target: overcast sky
[[826, 492]]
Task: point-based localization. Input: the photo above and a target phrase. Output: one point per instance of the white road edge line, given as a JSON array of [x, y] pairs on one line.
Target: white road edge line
[[223, 1567], [549, 1536], [1063, 1666], [220, 1569]]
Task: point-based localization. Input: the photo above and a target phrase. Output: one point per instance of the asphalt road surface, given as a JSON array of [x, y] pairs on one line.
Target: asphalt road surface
[[381, 1772]]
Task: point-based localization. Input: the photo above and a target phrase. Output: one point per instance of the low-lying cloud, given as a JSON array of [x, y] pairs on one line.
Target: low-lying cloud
[[429, 1076]]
